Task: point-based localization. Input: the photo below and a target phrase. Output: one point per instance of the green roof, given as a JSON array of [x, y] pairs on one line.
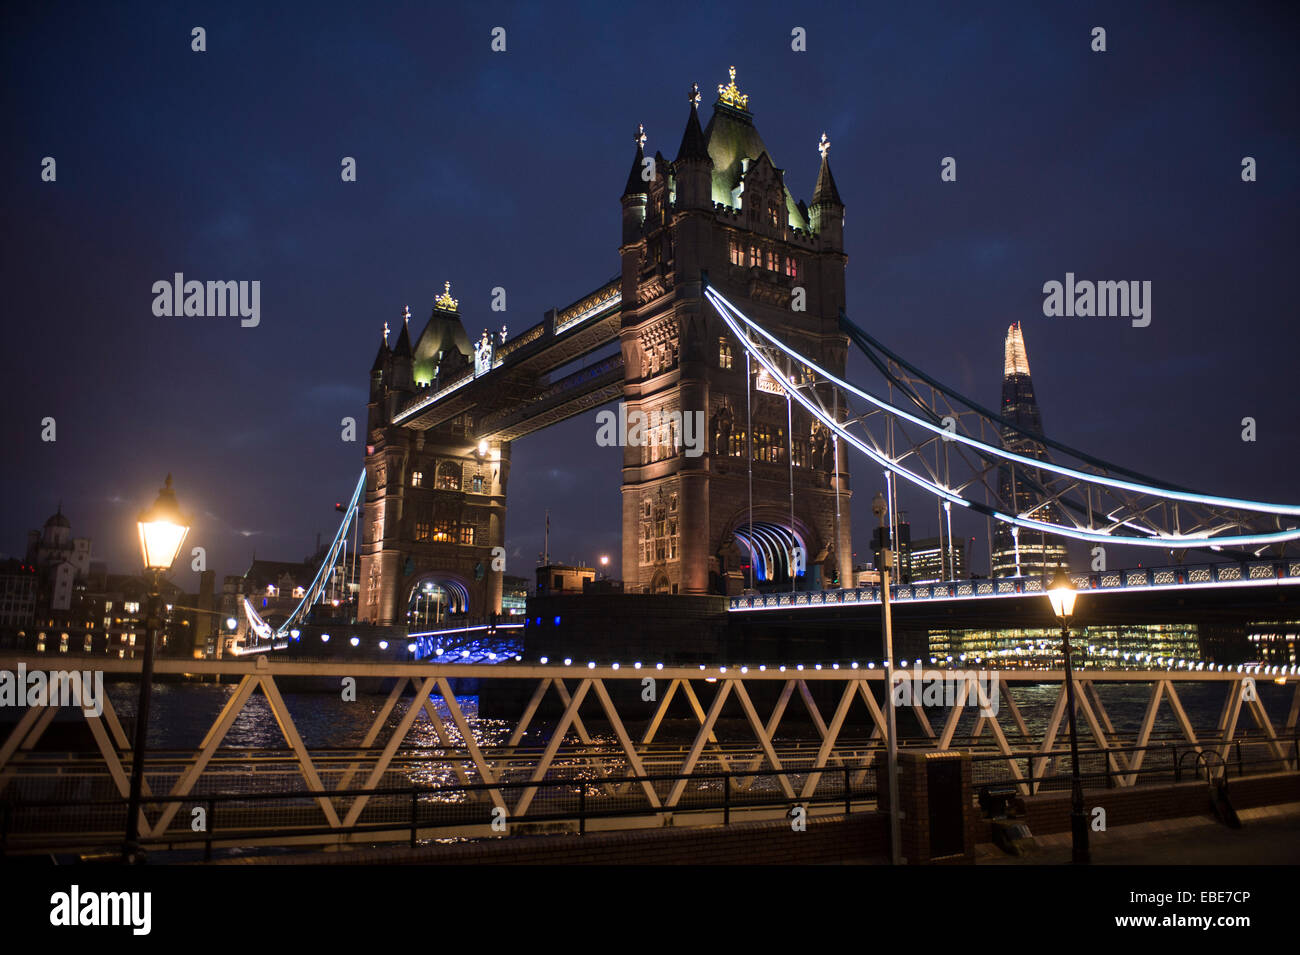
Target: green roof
[[732, 138]]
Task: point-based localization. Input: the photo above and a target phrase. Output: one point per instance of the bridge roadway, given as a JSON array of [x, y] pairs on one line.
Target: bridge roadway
[[519, 395], [1235, 592], [565, 774]]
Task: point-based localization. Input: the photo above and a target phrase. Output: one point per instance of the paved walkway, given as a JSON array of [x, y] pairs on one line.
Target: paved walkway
[[1269, 835]]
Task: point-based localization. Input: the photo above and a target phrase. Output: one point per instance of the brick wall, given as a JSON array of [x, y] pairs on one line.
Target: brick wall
[[827, 839], [1050, 812]]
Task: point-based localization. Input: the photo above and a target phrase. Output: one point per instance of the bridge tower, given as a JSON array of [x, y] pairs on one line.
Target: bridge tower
[[435, 499], [721, 208]]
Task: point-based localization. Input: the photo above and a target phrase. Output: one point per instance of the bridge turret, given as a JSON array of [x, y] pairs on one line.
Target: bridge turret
[[693, 166], [827, 207], [635, 193], [379, 370], [400, 380]]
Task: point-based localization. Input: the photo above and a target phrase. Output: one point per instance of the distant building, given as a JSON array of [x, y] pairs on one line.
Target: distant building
[[61, 561], [17, 593], [60, 601], [932, 562], [562, 579], [1112, 646], [514, 595], [1017, 551]]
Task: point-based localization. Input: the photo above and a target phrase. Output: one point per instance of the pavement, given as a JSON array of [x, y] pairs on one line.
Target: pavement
[[1270, 835]]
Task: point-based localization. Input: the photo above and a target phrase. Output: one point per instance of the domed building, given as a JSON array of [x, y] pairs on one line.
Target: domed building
[[61, 561]]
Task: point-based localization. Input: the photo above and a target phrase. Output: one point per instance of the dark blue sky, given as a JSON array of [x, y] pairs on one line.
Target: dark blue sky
[[505, 169]]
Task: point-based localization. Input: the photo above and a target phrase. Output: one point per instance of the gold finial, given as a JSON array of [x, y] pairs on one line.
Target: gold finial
[[385, 333], [445, 301], [639, 138], [730, 95], [824, 146], [406, 314], [695, 94]]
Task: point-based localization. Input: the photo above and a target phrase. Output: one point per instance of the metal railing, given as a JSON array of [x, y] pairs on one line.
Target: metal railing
[[412, 813]]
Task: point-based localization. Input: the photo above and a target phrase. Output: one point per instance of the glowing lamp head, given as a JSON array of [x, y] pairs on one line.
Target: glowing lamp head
[[878, 506], [231, 623], [162, 530], [483, 447], [1062, 595]]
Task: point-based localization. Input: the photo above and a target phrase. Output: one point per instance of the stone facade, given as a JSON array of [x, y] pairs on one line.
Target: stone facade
[[435, 500], [721, 210]]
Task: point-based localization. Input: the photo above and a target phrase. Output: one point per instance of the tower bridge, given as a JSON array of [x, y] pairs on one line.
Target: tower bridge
[[443, 411], [730, 302]]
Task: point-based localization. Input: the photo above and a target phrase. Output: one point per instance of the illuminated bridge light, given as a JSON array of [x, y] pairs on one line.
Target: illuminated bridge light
[[545, 660], [383, 644]]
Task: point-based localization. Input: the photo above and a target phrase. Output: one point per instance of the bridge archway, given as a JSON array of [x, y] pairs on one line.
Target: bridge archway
[[767, 544], [435, 596]]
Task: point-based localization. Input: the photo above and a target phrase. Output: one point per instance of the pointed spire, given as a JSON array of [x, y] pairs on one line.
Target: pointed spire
[[403, 347], [693, 144], [826, 191], [1015, 358], [382, 355], [635, 184]]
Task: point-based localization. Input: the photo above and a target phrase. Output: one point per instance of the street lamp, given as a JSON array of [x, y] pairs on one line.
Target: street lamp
[[162, 531], [1062, 595], [880, 509]]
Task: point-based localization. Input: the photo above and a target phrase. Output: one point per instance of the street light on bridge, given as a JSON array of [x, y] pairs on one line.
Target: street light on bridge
[[1062, 595], [162, 532]]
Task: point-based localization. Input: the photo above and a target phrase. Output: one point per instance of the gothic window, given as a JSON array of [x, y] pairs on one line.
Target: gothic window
[[724, 353], [772, 261], [791, 267], [417, 478], [645, 508], [444, 530], [449, 476], [478, 484], [771, 215], [737, 253], [467, 534], [672, 501], [422, 530], [755, 259]]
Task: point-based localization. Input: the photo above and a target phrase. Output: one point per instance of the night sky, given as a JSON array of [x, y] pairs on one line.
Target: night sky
[[505, 169]]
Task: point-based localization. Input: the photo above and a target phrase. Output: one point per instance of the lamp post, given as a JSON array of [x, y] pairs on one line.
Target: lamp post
[[162, 531], [880, 509], [1062, 595]]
